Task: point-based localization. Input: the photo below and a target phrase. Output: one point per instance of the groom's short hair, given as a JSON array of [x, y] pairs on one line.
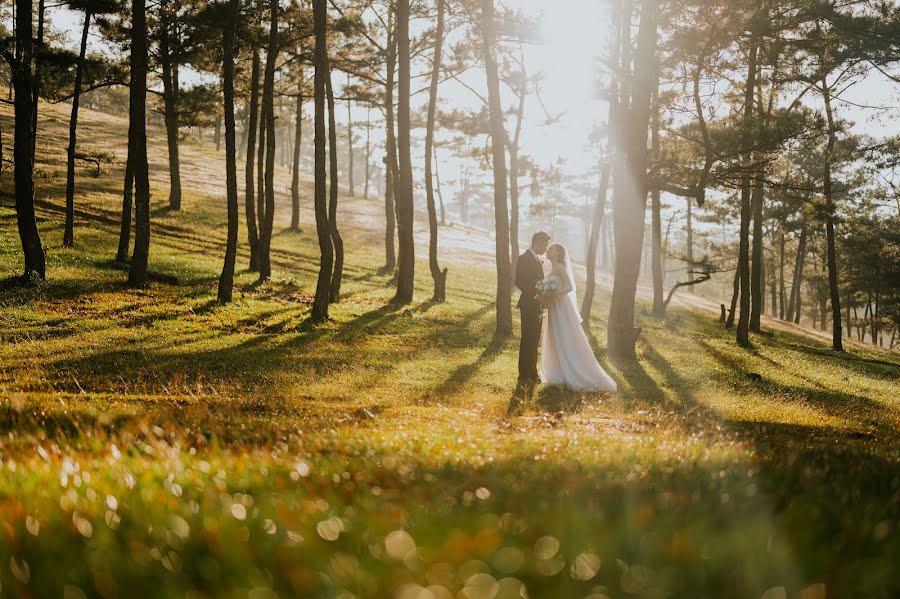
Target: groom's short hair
[[539, 236]]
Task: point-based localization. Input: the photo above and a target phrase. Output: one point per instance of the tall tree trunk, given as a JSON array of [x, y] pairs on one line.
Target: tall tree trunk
[[498, 153], [33, 250], [268, 115], [797, 279], [656, 266], [334, 289], [406, 263], [320, 201], [736, 289], [127, 207], [351, 187], [217, 133], [836, 336], [249, 171], [391, 168], [630, 201], [137, 145], [743, 325], [295, 163], [226, 280], [69, 232], [438, 276], [170, 102], [591, 266]]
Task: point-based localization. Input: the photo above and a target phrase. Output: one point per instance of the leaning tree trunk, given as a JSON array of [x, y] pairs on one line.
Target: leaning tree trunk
[[226, 280], [628, 212], [834, 292], [295, 163], [334, 288], [320, 201], [137, 145], [498, 144], [170, 105], [391, 169], [69, 231], [127, 207], [268, 115], [438, 276], [743, 326], [33, 250], [406, 263], [249, 181]]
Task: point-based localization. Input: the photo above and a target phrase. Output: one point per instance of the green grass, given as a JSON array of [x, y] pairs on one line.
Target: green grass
[[155, 444]]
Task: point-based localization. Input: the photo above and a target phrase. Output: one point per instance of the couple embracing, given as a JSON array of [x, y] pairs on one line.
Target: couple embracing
[[548, 293]]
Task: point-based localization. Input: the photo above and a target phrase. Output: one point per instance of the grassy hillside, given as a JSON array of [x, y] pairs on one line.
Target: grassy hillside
[[155, 444]]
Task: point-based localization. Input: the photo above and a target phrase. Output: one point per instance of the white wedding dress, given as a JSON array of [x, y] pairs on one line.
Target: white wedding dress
[[567, 359]]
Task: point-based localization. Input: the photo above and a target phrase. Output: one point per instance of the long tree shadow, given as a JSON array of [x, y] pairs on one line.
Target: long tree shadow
[[463, 374]]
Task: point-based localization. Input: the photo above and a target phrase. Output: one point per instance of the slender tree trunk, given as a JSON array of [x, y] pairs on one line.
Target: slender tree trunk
[[37, 81], [268, 116], [781, 289], [320, 200], [797, 277], [498, 153], [260, 167], [217, 133], [33, 250], [629, 208], [437, 186], [351, 187], [249, 182], [591, 262], [334, 289], [391, 168], [404, 197], [368, 151], [137, 145], [69, 231], [127, 207], [514, 167], [729, 322], [295, 175], [226, 280], [656, 267], [438, 276], [747, 188], [834, 291], [757, 267], [170, 103], [690, 242]]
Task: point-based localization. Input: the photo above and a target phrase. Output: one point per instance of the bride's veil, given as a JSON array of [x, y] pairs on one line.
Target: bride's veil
[[572, 296]]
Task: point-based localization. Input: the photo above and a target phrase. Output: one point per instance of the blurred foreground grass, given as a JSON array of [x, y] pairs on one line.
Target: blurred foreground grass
[[155, 444]]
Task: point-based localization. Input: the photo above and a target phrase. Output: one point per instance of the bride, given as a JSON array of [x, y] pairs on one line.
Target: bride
[[566, 356]]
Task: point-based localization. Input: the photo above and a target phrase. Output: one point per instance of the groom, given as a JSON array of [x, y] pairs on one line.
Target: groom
[[530, 270]]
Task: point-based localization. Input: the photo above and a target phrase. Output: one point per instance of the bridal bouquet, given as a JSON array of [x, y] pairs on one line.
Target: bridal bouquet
[[547, 288]]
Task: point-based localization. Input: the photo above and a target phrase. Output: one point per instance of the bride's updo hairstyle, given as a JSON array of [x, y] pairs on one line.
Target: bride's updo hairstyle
[[558, 249]]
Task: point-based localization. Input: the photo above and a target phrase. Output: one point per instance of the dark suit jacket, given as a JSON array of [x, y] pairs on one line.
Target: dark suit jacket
[[528, 272]]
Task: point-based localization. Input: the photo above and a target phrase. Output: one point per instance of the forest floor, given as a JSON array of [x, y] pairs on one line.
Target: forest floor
[[156, 444]]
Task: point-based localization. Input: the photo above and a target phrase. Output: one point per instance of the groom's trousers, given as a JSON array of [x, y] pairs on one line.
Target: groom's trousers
[[528, 345]]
